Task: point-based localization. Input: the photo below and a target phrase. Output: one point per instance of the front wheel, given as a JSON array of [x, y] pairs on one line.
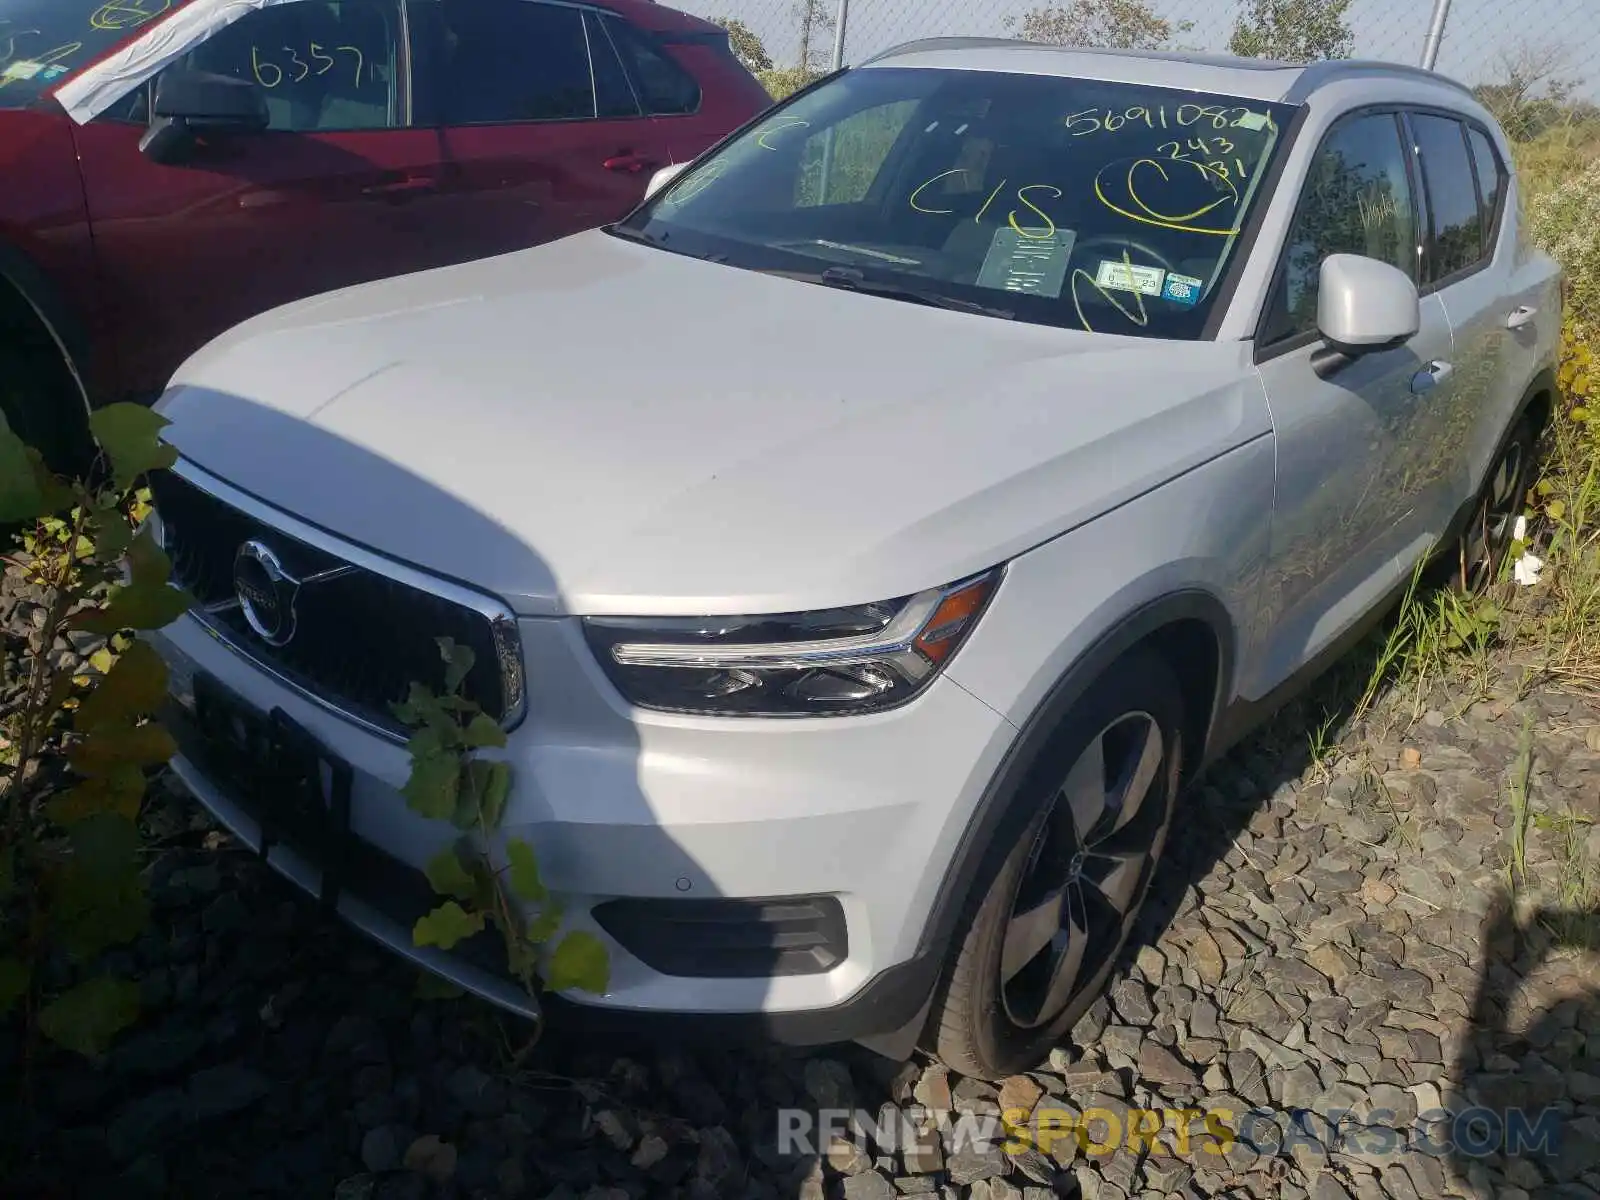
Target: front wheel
[[1042, 934], [39, 402]]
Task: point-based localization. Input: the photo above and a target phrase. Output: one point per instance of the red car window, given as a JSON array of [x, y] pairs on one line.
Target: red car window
[[322, 66], [664, 86], [512, 62]]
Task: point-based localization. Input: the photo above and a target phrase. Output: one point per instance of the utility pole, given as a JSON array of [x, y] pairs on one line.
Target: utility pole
[[1430, 48], [840, 18]]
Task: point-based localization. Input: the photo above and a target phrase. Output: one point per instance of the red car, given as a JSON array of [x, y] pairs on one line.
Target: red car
[[172, 167]]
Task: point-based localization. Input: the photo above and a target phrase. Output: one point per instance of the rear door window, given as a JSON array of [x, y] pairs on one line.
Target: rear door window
[[1455, 218], [511, 61], [614, 95]]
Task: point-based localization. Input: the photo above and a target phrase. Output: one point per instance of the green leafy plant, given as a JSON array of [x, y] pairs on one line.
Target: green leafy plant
[[744, 43], [487, 878], [1293, 30], [1113, 24], [1565, 221], [78, 743], [782, 82]]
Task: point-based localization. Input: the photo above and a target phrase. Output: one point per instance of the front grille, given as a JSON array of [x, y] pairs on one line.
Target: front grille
[[360, 638], [730, 939]]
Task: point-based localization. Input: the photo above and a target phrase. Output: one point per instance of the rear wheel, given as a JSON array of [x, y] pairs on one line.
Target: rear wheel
[[1483, 544], [1043, 933]]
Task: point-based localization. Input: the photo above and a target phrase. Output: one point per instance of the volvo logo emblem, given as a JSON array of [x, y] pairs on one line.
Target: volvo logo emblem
[[266, 593]]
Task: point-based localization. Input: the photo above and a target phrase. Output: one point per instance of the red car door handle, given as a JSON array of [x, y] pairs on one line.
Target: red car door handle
[[632, 163], [408, 186]]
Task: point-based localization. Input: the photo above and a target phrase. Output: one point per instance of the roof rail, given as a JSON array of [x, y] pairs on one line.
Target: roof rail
[[1312, 75], [1320, 74], [991, 43], [953, 43]]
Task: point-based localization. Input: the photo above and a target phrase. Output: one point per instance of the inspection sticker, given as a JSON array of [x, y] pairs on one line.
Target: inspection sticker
[[1182, 289], [1126, 277]]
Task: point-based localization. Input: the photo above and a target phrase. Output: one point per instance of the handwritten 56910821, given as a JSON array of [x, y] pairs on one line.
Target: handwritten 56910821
[[1096, 120]]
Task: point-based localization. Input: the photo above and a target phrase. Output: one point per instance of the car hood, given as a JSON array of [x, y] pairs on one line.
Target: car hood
[[597, 426]]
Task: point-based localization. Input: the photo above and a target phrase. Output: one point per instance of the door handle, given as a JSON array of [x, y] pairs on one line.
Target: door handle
[[1431, 376], [1521, 317], [629, 162], [409, 186]]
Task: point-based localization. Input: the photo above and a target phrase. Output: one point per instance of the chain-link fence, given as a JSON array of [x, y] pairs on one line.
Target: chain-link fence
[[1535, 48]]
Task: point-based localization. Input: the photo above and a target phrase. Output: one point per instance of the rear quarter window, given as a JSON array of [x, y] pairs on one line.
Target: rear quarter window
[[1491, 184], [665, 88]]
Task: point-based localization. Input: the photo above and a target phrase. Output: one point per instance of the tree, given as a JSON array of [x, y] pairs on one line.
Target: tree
[[1107, 24], [786, 81], [1532, 90], [814, 17], [1293, 30], [744, 43]]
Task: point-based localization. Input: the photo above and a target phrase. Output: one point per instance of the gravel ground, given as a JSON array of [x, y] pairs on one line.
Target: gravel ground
[[1324, 946]]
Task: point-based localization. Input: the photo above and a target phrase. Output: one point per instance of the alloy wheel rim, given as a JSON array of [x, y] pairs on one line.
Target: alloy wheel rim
[[1490, 533], [1086, 870]]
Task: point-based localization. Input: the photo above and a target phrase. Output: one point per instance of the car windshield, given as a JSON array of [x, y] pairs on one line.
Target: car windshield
[[1110, 207], [42, 42]]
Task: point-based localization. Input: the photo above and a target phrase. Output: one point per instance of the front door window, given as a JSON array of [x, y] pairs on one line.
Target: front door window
[[1357, 200]]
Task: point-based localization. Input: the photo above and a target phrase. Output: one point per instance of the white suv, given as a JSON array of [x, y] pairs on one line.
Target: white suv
[[864, 540]]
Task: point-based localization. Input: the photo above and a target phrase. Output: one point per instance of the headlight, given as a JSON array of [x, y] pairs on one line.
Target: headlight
[[831, 662]]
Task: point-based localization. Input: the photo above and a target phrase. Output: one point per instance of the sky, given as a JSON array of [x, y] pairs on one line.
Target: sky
[[1477, 33]]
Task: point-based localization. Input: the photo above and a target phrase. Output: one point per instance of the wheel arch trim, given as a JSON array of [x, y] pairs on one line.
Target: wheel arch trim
[[36, 290], [994, 806], [1543, 384]]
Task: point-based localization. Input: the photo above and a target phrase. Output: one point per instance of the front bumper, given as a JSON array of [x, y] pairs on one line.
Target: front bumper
[[656, 810]]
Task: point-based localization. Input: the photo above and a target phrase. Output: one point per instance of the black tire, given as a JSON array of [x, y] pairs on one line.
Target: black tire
[[979, 1024], [1476, 558]]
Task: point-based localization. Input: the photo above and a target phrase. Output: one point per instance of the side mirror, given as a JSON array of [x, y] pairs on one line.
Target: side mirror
[[196, 102], [663, 177], [1364, 305]]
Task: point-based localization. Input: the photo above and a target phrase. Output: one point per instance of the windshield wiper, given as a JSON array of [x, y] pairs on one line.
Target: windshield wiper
[[854, 281], [661, 240], [635, 235]]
